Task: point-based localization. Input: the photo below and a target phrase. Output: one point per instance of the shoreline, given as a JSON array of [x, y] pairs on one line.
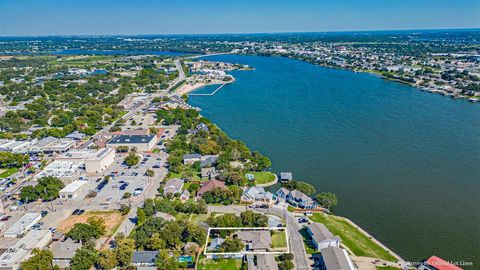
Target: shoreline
[[188, 88]]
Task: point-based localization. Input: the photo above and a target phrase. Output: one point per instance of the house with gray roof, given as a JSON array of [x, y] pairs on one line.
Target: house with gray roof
[[173, 186], [321, 236], [335, 258], [255, 240], [299, 199], [258, 195], [63, 252], [191, 158], [144, 258]]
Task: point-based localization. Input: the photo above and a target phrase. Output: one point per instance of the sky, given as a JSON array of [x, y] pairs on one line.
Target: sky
[[137, 17]]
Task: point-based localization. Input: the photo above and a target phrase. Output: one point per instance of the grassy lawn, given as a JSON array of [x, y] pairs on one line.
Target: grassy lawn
[[356, 241], [221, 264], [279, 239], [263, 177], [387, 268], [7, 172], [198, 218]]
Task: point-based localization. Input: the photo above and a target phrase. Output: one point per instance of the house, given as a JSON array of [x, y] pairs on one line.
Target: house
[[335, 258], [191, 158], [285, 176], [321, 236], [141, 142], [296, 198], [185, 195], [144, 258], [282, 193], [255, 240], [209, 186], [199, 127], [63, 252], [173, 186], [436, 263], [208, 160], [258, 195], [210, 173]]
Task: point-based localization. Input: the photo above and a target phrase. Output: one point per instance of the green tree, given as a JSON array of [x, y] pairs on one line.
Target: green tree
[[232, 245], [327, 199], [140, 216], [125, 249], [107, 259], [28, 194], [41, 260], [83, 232], [131, 159], [166, 262], [149, 173], [84, 258], [98, 223]]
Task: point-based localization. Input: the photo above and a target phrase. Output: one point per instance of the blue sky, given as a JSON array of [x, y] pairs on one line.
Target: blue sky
[[97, 17]]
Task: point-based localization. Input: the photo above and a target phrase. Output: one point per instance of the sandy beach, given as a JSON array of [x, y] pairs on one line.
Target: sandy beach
[[187, 87]]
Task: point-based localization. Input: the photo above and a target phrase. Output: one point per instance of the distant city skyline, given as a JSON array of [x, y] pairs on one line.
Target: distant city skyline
[[144, 17]]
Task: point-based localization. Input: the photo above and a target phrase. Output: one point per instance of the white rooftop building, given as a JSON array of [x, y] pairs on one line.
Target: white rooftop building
[[96, 161], [67, 171], [22, 225], [72, 190], [13, 256]]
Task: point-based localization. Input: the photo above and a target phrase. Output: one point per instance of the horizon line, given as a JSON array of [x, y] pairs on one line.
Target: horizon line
[[242, 33]]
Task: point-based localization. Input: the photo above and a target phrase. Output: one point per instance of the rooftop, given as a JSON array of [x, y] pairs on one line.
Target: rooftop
[[336, 258], [320, 232], [74, 186], [122, 139]]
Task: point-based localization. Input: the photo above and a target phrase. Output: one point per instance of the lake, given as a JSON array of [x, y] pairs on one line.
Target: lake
[[403, 163]]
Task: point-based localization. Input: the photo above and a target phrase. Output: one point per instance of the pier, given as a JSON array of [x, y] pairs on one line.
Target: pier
[[210, 94]]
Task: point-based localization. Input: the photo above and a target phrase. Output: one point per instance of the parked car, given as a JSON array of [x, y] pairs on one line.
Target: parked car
[[78, 212], [44, 213]]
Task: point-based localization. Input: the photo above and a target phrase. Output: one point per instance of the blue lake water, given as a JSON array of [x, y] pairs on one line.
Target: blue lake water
[[403, 163]]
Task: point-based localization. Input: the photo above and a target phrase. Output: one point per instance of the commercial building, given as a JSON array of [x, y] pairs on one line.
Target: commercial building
[[51, 145], [96, 161], [22, 225], [100, 161], [67, 171], [140, 142], [13, 256], [14, 146], [72, 190]]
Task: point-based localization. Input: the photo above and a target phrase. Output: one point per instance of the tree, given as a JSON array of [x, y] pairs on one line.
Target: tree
[[28, 194], [156, 242], [166, 262], [83, 232], [149, 173], [84, 258], [98, 223], [252, 219], [172, 234], [107, 259], [124, 209], [300, 186], [232, 245], [131, 159], [125, 249], [140, 216], [41, 260], [327, 199]]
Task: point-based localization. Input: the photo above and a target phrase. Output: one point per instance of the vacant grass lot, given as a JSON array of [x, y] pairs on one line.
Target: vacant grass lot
[[112, 218], [263, 177], [279, 239], [356, 241], [220, 264]]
